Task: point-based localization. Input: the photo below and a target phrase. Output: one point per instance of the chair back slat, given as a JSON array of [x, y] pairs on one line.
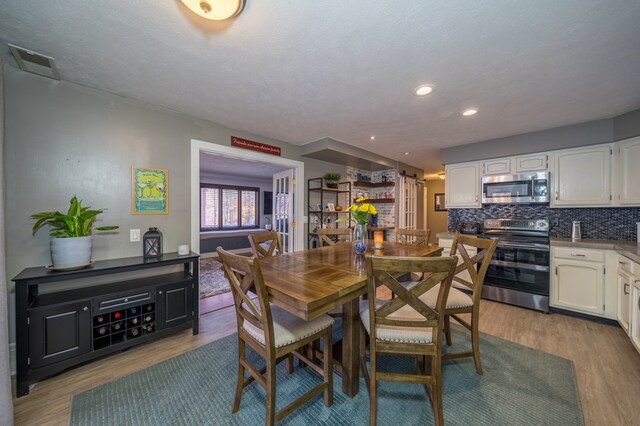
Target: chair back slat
[[486, 248], [244, 275], [385, 270], [413, 236], [265, 244], [332, 236]]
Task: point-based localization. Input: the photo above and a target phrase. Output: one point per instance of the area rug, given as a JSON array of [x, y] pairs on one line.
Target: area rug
[[520, 386], [212, 280]]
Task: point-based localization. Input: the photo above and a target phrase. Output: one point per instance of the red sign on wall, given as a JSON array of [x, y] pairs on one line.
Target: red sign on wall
[[254, 146]]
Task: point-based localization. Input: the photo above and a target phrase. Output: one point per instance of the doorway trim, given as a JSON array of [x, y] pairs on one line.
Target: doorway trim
[[198, 146]]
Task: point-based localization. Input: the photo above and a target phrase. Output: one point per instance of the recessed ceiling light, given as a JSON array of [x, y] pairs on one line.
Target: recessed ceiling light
[[423, 89], [407, 153], [372, 137], [470, 111]]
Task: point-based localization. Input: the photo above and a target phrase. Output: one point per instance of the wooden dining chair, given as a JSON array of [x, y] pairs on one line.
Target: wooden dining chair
[[460, 302], [265, 244], [274, 334], [331, 236], [413, 236], [405, 325]]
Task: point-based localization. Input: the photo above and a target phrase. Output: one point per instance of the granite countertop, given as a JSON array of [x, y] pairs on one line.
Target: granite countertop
[[629, 249]]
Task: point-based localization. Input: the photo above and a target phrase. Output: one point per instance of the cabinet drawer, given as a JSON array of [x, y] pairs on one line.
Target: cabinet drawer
[[578, 254]]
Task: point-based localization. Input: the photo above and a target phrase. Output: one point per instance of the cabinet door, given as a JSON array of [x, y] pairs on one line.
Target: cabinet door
[[634, 328], [462, 185], [625, 282], [578, 286], [174, 304], [501, 166], [628, 168], [59, 332], [531, 163], [582, 177]]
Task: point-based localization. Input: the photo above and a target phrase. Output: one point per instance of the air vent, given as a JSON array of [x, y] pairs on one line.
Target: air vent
[[36, 63]]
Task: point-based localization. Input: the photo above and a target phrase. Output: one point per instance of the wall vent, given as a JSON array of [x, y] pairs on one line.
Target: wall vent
[[36, 63]]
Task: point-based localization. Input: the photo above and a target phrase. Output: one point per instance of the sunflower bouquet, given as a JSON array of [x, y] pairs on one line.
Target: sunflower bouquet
[[361, 210]]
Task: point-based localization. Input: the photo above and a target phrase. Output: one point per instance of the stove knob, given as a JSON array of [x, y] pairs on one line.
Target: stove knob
[[532, 224], [542, 224]]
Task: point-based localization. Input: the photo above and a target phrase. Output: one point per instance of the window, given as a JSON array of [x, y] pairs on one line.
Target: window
[[228, 207]]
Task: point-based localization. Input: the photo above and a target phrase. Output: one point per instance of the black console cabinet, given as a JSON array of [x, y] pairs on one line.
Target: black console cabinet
[[56, 330]]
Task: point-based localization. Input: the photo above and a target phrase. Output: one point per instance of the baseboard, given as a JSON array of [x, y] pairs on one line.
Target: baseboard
[[12, 359], [580, 315]]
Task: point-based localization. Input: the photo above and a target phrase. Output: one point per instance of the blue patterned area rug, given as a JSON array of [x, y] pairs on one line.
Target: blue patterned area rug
[[520, 386]]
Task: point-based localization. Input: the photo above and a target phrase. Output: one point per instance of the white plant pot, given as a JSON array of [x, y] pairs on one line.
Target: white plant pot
[[71, 252]]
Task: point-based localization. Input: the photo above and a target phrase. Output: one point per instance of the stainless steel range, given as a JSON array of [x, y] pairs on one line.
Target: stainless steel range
[[519, 271]]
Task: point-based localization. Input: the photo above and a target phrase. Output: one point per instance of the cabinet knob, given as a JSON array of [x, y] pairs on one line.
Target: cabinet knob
[[578, 255], [556, 195], [160, 292], [85, 308], [624, 289], [126, 300]]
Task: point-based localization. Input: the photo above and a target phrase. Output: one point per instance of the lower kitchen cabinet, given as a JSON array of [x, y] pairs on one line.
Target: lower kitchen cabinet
[[634, 327], [623, 288], [584, 280]]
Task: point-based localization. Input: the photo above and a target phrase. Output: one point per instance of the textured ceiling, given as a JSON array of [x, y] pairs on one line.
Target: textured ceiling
[[300, 71]]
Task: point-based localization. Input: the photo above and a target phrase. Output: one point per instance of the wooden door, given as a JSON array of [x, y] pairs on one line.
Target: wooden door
[[174, 304]]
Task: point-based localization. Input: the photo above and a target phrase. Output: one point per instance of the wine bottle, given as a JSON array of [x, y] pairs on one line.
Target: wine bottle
[[133, 311], [100, 319], [134, 331], [117, 326], [102, 330], [134, 320]]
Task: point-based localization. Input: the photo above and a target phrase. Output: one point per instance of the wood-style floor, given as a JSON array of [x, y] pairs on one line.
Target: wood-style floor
[[607, 366]]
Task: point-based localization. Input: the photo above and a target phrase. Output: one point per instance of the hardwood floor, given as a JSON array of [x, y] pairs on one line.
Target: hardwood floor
[[607, 367]]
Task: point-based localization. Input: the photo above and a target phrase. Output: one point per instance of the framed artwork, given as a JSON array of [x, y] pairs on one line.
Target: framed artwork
[[331, 207], [319, 207], [439, 202], [149, 190]]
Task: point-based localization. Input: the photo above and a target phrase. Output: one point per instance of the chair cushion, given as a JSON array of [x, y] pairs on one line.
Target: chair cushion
[[456, 299], [288, 328], [395, 333]]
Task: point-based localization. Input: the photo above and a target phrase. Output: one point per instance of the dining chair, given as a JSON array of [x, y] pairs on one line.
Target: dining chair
[[332, 236], [413, 236], [274, 334], [460, 302], [405, 325], [265, 244]]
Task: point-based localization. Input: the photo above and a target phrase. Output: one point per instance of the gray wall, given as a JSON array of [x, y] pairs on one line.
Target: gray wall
[[63, 139], [436, 220], [589, 133], [626, 125]]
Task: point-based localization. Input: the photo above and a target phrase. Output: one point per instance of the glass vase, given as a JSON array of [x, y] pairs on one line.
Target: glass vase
[[360, 238]]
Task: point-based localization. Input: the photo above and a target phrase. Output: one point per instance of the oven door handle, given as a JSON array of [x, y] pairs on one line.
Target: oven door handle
[[536, 247], [533, 187], [528, 266]]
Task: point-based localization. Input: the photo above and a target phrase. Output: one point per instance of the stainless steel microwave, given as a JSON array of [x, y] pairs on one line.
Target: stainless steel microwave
[[516, 189]]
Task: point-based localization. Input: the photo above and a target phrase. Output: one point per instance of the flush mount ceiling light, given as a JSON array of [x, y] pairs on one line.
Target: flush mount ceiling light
[[372, 137], [470, 111], [216, 10], [423, 89]]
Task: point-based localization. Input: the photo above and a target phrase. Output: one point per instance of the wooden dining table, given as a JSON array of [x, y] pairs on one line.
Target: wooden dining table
[[312, 282]]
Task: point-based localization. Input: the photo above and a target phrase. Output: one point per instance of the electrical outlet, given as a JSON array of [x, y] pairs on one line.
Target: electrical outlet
[[134, 235]]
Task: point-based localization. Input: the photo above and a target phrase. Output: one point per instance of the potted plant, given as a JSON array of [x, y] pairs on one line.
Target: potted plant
[[71, 234], [332, 180]]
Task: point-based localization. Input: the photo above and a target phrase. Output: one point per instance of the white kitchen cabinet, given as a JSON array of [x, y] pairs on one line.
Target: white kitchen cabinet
[[577, 285], [582, 177], [635, 314], [624, 286], [462, 185], [500, 166], [446, 244], [628, 172], [531, 163]]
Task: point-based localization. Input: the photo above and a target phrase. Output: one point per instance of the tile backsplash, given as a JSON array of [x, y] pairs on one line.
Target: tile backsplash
[[610, 223]]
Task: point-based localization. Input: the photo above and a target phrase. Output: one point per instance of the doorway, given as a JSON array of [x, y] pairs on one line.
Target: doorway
[[216, 165]]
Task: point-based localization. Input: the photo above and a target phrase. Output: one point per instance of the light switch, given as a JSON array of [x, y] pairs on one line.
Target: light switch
[[134, 235]]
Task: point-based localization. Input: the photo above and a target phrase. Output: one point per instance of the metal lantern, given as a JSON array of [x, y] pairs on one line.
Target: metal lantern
[[152, 243]]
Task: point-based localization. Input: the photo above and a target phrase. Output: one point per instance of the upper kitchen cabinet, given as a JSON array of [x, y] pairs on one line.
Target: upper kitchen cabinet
[[518, 164], [462, 185], [582, 177], [531, 163], [628, 172]]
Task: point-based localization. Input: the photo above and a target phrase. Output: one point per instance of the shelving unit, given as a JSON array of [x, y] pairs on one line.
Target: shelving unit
[[59, 328], [379, 200], [363, 184], [319, 195]]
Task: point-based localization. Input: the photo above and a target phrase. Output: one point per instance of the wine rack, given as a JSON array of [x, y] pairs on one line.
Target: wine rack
[[111, 328]]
